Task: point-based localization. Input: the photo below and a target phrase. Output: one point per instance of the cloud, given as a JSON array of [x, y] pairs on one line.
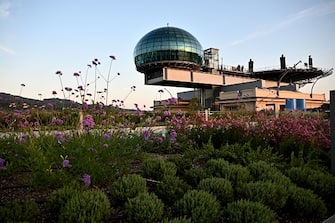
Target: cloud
[[4, 9], [7, 50], [318, 10]]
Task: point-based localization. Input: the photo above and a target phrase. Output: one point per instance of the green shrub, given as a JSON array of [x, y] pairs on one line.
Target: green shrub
[[182, 163], [157, 168], [194, 175], [144, 208], [217, 167], [304, 203], [249, 211], [171, 188], [268, 193], [263, 171], [128, 186], [59, 197], [200, 206], [177, 220], [19, 212], [220, 187], [321, 183], [235, 173], [88, 206]]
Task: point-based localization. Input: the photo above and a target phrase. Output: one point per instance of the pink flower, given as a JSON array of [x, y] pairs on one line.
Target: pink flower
[[167, 113]]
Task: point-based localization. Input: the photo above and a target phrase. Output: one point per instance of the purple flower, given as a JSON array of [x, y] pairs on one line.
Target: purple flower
[[59, 137], [158, 118], [58, 121], [2, 164], [146, 134], [105, 145], [173, 136], [107, 135], [88, 122], [23, 138], [87, 179], [66, 164]]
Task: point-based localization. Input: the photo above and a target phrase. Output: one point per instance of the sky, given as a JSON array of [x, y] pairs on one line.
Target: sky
[[40, 37]]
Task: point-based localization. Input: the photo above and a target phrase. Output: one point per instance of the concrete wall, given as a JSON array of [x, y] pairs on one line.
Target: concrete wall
[[171, 74], [258, 99]]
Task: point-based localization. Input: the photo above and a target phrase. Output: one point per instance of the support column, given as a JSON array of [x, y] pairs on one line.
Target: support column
[[332, 130]]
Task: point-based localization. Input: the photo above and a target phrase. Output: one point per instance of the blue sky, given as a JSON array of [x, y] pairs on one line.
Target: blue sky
[[39, 37]]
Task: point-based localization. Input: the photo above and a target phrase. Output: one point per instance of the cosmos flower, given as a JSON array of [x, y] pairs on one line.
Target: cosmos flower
[[167, 113]]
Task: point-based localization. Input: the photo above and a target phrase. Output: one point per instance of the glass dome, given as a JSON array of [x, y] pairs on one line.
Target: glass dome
[[168, 46]]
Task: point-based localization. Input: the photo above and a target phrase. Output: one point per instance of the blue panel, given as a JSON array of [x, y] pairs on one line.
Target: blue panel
[[301, 104], [290, 104]]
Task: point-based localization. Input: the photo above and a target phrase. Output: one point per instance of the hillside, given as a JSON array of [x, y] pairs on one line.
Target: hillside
[[8, 101]]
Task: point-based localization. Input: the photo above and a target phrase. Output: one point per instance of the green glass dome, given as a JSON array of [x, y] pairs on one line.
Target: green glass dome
[[168, 47]]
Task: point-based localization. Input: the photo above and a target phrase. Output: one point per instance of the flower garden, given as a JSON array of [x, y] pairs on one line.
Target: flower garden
[[103, 164]]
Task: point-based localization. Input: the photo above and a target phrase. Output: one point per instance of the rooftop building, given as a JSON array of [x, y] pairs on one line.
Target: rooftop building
[[171, 56]]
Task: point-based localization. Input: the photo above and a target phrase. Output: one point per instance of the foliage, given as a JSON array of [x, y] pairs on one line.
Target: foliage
[[61, 196], [144, 208], [194, 175], [304, 203], [128, 186], [88, 206], [271, 194], [235, 173], [177, 220], [249, 211], [220, 187], [26, 211], [263, 171], [200, 206], [157, 168], [322, 183], [46, 146], [171, 188]]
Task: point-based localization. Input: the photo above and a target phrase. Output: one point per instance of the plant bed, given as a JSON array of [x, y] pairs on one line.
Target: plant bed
[[174, 166]]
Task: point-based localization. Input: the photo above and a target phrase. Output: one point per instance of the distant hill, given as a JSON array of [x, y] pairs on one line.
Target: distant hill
[[8, 101]]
